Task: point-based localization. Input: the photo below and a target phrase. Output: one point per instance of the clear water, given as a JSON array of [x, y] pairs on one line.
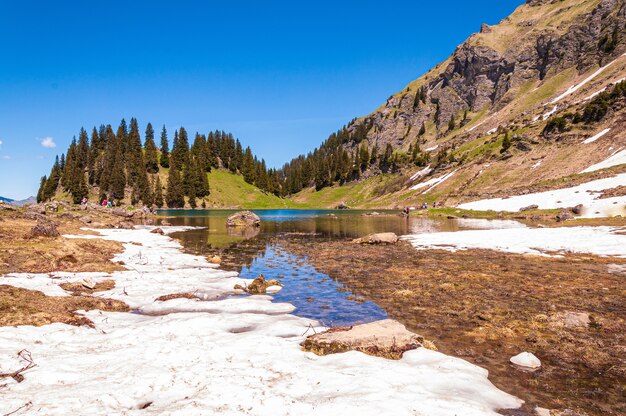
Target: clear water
[[254, 251]]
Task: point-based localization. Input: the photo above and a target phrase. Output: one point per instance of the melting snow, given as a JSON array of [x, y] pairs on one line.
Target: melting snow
[[421, 173], [576, 87], [596, 137], [585, 194], [431, 183], [238, 355], [536, 165], [430, 149], [617, 158], [602, 241]]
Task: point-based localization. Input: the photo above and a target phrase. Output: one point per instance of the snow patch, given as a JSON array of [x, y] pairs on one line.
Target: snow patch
[[421, 173], [235, 355], [585, 194], [431, 183], [617, 158], [430, 149], [576, 87], [596, 137], [601, 241], [536, 165]]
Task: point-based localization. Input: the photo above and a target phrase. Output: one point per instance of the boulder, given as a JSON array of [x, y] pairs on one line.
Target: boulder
[[215, 260], [342, 206], [121, 212], [526, 360], [88, 282], [387, 338], [126, 225], [578, 209], [380, 238], [86, 219], [70, 216], [243, 219], [157, 231], [564, 215], [529, 208], [38, 208], [44, 228], [35, 216]]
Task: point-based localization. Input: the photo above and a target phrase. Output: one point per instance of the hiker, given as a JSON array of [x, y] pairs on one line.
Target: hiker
[[406, 211], [104, 202], [109, 204], [83, 201]]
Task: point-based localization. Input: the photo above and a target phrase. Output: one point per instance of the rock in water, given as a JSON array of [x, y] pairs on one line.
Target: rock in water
[[527, 360], [260, 286], [44, 229], [380, 238], [387, 338], [243, 219]]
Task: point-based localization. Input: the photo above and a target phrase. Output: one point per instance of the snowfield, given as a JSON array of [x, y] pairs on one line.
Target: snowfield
[[586, 194], [228, 356], [602, 241]]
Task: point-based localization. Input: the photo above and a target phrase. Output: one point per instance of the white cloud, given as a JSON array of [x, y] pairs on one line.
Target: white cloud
[[5, 157], [48, 143], [1, 143]]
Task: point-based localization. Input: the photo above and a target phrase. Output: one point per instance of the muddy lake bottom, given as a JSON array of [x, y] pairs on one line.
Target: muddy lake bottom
[[483, 306]]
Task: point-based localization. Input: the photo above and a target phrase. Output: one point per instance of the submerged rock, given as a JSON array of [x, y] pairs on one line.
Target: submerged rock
[[260, 286], [526, 360], [380, 238], [243, 219], [387, 338]]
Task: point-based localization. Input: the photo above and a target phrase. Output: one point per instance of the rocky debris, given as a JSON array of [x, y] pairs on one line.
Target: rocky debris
[[7, 207], [342, 206], [529, 208], [243, 219], [571, 319], [52, 206], [578, 209], [379, 238], [526, 360], [86, 219], [35, 216], [44, 228], [564, 215], [70, 216], [259, 286], [125, 225], [215, 260], [165, 223], [38, 208], [387, 338], [157, 231], [121, 212]]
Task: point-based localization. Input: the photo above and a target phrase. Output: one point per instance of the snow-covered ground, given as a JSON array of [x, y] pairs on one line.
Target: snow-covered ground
[[233, 355], [585, 194], [576, 87], [596, 136], [602, 241], [431, 183], [617, 158]]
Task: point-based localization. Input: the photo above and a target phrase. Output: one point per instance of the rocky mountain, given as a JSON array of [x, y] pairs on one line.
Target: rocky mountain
[[7, 200], [483, 115]]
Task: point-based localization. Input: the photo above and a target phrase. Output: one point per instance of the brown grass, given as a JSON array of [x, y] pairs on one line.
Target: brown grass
[[76, 288], [30, 307]]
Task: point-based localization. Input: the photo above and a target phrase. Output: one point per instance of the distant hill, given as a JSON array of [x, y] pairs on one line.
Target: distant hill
[[29, 200], [7, 200]]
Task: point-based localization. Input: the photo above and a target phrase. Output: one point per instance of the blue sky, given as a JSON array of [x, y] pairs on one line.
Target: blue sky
[[280, 75]]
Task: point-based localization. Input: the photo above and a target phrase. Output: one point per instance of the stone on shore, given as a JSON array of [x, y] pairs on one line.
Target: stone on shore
[[259, 286], [380, 238], [526, 360], [243, 219], [44, 228], [215, 260], [386, 338], [157, 231]]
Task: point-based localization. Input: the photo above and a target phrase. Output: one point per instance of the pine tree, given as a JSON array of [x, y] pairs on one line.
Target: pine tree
[[41, 191], [151, 157], [158, 192], [165, 150], [506, 143], [364, 157], [118, 177], [174, 196], [451, 123], [422, 129], [248, 166]]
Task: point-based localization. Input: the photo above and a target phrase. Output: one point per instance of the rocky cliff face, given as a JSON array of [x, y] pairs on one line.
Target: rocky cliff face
[[538, 41]]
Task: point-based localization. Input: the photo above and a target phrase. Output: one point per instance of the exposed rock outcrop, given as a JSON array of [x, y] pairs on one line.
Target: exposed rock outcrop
[[244, 219], [380, 238]]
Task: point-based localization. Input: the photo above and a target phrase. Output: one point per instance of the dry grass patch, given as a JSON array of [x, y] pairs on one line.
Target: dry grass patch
[[30, 307]]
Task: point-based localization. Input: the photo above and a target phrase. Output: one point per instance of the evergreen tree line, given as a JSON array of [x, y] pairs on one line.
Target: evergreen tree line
[[121, 166]]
